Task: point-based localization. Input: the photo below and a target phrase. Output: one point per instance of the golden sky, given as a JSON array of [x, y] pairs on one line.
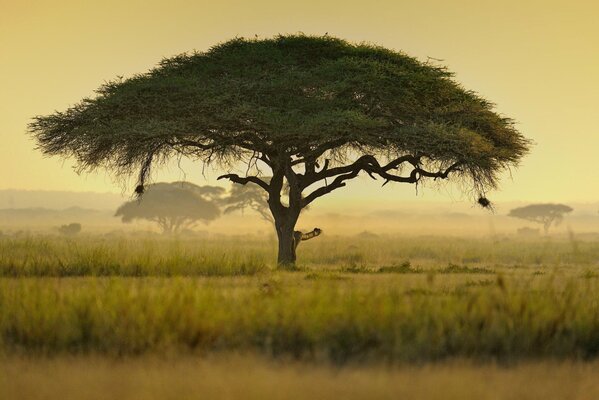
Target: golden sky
[[537, 60]]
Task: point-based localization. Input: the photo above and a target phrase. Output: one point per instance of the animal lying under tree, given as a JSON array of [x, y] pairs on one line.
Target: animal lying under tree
[[298, 236]]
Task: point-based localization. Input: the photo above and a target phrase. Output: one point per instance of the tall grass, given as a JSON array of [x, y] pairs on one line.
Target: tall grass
[[352, 300], [100, 256], [220, 256], [339, 320]]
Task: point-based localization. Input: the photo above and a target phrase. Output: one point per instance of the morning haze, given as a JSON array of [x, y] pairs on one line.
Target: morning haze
[[309, 205], [536, 60]]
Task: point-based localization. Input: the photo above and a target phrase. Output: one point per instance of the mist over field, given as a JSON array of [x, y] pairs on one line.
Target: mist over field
[[43, 211], [299, 200]]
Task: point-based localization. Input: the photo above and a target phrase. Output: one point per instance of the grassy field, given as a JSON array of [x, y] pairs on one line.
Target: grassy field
[[110, 255], [375, 307]]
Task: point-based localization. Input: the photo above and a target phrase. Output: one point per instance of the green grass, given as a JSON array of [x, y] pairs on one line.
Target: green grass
[[127, 256], [97, 256], [462, 269], [403, 268], [122, 296], [286, 315]]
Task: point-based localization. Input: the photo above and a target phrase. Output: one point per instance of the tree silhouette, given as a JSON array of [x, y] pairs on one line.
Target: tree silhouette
[[174, 206], [242, 197], [546, 214], [310, 112], [70, 229]]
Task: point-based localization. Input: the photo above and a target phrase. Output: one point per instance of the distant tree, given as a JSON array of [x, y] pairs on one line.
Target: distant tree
[[248, 197], [242, 197], [312, 112], [174, 206], [546, 214], [211, 193], [70, 229]]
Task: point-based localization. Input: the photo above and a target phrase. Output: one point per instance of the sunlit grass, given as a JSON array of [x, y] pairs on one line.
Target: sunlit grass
[[381, 317], [156, 256], [397, 299], [97, 256]]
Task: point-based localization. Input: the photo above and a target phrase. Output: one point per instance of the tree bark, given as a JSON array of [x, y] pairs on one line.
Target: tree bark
[[285, 219], [286, 255]]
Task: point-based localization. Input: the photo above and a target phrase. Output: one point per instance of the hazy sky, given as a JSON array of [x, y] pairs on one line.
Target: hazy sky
[[537, 60]]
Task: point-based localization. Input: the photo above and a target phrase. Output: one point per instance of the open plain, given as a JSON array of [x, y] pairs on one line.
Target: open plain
[[91, 316]]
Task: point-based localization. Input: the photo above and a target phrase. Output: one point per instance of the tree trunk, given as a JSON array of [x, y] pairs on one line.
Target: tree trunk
[[285, 225], [285, 217], [286, 257]]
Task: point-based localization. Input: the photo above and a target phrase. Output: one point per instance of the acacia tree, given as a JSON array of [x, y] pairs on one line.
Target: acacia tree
[[174, 206], [546, 214], [243, 197], [310, 112]]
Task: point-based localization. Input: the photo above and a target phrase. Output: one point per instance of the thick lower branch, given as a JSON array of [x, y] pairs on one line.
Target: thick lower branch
[[371, 166], [336, 184], [245, 180], [367, 163]]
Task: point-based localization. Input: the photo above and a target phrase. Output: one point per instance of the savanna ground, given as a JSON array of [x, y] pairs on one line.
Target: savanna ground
[[99, 317]]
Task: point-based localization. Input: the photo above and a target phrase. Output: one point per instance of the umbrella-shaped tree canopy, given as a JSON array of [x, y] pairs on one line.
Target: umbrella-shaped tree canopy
[[310, 112], [174, 206], [546, 214]]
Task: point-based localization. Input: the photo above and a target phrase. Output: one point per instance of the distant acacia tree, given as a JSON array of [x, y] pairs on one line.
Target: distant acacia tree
[[243, 197], [174, 206], [70, 229], [250, 197], [546, 214], [311, 112]]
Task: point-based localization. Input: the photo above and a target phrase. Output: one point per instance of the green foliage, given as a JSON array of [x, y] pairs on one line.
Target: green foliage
[[314, 112], [292, 95]]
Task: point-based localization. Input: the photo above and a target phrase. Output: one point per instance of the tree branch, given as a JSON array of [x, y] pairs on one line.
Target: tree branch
[[245, 180], [312, 155], [417, 174], [371, 166], [368, 163], [336, 184]]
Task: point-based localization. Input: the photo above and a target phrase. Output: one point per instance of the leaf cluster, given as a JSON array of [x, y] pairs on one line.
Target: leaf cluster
[[299, 97]]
